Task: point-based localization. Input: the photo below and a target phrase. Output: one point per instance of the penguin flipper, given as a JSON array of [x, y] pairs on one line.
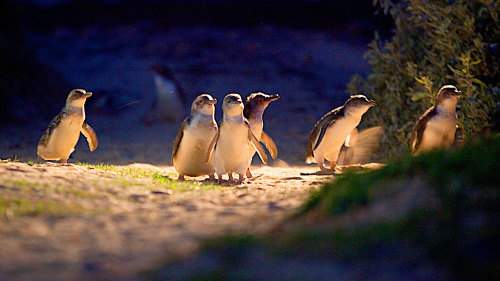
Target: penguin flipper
[[211, 147], [269, 143], [325, 124], [258, 147], [53, 124], [418, 131], [352, 138], [90, 135], [178, 138], [367, 142]]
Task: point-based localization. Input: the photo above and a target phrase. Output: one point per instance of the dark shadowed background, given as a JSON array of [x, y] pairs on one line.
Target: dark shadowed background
[[304, 50]]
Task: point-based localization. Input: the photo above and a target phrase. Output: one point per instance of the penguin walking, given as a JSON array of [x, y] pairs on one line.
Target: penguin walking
[[60, 138], [193, 138], [361, 146], [231, 145], [437, 126], [168, 104], [255, 105], [334, 129]]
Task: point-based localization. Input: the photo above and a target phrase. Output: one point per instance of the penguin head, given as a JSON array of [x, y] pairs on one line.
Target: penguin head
[[260, 100], [162, 70], [204, 104], [232, 105], [448, 94], [77, 97], [257, 102], [359, 103]]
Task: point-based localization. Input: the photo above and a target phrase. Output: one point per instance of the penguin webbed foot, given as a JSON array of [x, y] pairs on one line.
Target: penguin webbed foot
[[333, 166], [322, 167], [240, 179], [211, 177], [181, 177], [249, 174]]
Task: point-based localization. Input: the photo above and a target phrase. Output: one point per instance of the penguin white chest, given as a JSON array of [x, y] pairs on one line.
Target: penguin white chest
[[63, 138], [232, 150], [190, 157], [439, 131], [334, 138]]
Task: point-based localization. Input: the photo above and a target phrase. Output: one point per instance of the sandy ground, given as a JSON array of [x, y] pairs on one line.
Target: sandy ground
[[103, 224], [98, 224]]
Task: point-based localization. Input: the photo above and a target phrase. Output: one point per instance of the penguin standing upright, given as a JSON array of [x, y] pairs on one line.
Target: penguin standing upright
[[168, 104], [193, 138], [437, 126], [60, 138], [255, 105], [231, 145], [333, 129]]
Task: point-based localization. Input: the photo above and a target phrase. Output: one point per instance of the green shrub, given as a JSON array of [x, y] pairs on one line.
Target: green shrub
[[434, 43]]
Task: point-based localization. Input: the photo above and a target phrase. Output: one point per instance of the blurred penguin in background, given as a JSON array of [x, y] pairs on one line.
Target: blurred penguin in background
[[170, 99]]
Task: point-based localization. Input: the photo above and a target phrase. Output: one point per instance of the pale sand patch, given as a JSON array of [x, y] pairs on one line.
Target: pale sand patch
[[109, 225]]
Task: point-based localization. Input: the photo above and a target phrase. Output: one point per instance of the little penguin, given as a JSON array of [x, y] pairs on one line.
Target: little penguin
[[168, 104], [231, 145], [60, 138], [255, 105], [437, 126], [334, 129], [193, 138]]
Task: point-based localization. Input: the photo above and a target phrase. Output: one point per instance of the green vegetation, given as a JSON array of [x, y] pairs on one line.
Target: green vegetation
[[163, 179], [460, 230], [12, 208], [434, 43], [455, 230]]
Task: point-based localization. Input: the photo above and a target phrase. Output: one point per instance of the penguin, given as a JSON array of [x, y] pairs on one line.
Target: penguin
[[231, 145], [334, 129], [168, 104], [193, 138], [60, 138], [360, 146], [255, 105], [437, 126]]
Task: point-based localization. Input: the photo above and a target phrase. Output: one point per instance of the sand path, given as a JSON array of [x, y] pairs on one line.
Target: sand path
[[78, 222]]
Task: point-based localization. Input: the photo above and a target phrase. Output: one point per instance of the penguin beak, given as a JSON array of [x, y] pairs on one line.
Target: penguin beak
[[457, 93], [214, 101], [272, 98], [373, 103], [87, 95]]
